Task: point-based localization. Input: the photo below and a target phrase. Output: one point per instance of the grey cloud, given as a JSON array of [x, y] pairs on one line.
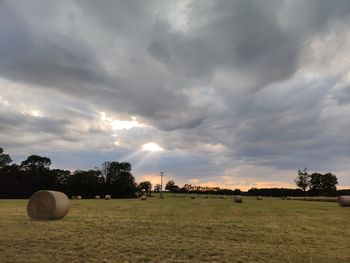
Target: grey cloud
[[14, 121], [235, 76]]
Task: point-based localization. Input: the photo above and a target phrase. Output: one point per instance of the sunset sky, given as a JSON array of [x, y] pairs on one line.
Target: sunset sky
[[236, 93]]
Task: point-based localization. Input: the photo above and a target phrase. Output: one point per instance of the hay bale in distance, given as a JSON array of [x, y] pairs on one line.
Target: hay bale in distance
[[259, 197], [344, 200], [97, 197], [73, 197], [108, 197], [47, 205], [79, 197], [143, 198], [238, 199]]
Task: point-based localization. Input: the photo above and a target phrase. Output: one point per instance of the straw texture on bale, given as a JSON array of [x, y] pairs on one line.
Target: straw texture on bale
[[259, 198], [313, 198], [143, 198], [108, 197], [344, 200], [47, 205], [97, 197], [238, 199]]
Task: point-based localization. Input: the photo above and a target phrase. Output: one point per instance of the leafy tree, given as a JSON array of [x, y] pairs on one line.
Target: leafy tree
[[36, 163], [171, 186], [85, 183], [157, 188], [119, 180], [323, 184], [145, 186], [4, 158], [303, 180]]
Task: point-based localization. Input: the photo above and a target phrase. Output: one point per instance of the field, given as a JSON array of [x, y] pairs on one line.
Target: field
[[179, 229]]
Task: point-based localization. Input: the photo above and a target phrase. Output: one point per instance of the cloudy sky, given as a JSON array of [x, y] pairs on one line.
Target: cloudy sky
[[236, 93]]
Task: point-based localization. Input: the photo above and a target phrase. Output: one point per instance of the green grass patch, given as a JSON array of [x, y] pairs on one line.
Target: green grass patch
[[179, 229]]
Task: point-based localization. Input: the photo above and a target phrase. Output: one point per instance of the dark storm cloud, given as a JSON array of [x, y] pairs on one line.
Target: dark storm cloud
[[248, 76]]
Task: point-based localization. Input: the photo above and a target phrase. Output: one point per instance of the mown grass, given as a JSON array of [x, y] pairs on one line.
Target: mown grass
[[179, 229]]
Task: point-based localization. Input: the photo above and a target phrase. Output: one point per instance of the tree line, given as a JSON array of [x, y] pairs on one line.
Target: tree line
[[34, 173], [115, 178]]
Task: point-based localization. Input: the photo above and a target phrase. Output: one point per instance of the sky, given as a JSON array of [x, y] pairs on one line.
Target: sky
[[228, 93]]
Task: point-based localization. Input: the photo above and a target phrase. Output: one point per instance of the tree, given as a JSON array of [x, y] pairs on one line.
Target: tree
[[36, 163], [145, 186], [171, 186], [85, 183], [303, 179], [119, 180], [323, 184], [157, 188], [5, 159]]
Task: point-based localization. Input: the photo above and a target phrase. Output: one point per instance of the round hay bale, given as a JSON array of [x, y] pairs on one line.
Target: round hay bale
[[193, 197], [108, 197], [79, 197], [97, 197], [47, 205], [259, 197], [74, 197], [238, 199], [143, 198], [344, 200]]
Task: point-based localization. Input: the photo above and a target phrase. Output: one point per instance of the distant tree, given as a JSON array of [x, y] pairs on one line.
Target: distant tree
[[85, 183], [171, 186], [237, 191], [62, 176], [303, 180], [323, 184], [36, 163], [157, 188], [5, 159], [145, 186], [119, 180]]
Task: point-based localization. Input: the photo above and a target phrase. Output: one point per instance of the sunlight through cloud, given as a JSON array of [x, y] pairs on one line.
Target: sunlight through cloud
[[152, 147]]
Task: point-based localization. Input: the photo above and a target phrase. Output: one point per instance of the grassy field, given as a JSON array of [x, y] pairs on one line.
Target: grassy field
[[179, 229]]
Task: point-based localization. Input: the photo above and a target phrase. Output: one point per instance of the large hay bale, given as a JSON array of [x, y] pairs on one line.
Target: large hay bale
[[143, 198], [97, 197], [238, 199], [108, 197], [47, 205], [259, 197], [79, 197], [344, 200]]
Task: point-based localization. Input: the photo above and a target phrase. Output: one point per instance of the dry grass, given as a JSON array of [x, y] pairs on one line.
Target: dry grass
[[179, 230], [313, 198]]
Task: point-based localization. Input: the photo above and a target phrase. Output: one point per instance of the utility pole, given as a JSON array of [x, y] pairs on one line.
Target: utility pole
[[161, 184]]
